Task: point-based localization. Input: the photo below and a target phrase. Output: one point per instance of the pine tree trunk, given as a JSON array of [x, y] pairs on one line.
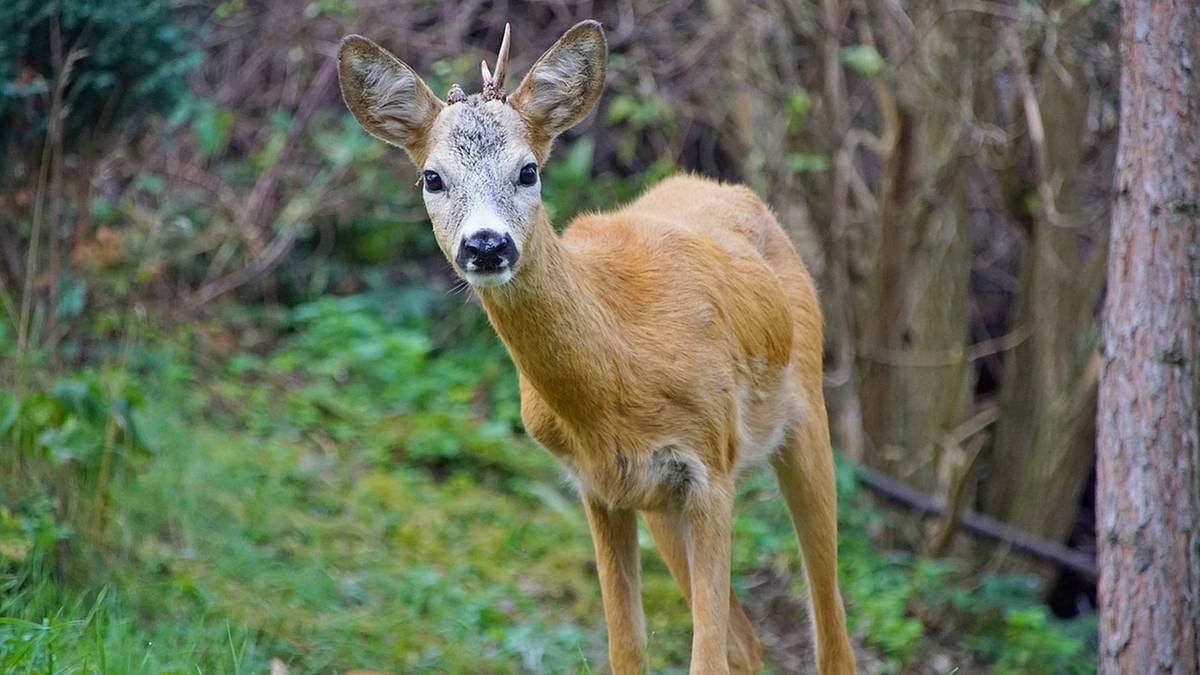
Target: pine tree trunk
[[1148, 497]]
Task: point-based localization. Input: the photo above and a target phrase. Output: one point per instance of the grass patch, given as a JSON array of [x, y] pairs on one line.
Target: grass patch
[[348, 487]]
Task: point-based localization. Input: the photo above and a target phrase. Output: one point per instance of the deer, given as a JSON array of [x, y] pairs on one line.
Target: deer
[[662, 348]]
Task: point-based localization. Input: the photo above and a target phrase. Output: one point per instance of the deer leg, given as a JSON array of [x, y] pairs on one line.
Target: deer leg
[[670, 536], [708, 517], [614, 535], [804, 468]]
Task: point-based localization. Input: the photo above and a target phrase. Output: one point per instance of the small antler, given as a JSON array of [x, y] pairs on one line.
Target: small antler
[[456, 94], [493, 82]]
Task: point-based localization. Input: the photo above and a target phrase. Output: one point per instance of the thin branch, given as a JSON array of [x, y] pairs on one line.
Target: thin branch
[[969, 440], [255, 215], [53, 140], [927, 358], [265, 261], [1037, 131]]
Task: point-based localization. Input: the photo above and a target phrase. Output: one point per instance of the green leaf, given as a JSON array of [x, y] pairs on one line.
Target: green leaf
[[800, 162], [577, 162], [621, 108], [72, 293], [862, 59], [149, 182], [799, 103], [211, 128]]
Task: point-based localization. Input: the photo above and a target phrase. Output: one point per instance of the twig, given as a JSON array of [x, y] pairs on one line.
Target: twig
[[265, 261], [254, 215], [834, 16], [53, 139], [255, 210], [982, 526], [1037, 131], [928, 358], [110, 428], [968, 434], [9, 307]]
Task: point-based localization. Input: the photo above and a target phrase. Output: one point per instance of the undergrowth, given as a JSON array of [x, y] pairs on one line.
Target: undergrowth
[[346, 485]]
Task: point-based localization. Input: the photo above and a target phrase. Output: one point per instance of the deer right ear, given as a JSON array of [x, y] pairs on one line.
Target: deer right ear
[[565, 83], [386, 96]]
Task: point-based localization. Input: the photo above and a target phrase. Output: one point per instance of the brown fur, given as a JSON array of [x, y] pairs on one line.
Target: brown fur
[[662, 348], [639, 325]]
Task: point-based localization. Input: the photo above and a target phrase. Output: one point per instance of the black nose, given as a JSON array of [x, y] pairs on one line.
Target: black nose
[[487, 251]]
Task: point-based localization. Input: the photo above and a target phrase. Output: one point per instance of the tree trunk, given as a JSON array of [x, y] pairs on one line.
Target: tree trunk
[[1044, 434], [1148, 497], [915, 323]]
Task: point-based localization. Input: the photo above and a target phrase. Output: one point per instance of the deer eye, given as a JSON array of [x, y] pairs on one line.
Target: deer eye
[[433, 182], [528, 174]]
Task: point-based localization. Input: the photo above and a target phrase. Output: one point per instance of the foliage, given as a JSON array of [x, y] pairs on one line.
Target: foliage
[[350, 488], [342, 481], [133, 55], [63, 443]]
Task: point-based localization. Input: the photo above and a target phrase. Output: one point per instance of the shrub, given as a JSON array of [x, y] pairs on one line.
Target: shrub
[[132, 55], [64, 444]]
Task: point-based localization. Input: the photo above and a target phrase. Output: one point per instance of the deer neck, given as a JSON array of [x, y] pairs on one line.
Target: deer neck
[[559, 334]]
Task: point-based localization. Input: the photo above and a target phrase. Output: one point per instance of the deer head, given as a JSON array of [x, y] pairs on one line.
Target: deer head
[[479, 155]]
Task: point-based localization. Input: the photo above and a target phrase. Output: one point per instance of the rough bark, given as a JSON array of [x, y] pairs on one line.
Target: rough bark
[[1148, 497]]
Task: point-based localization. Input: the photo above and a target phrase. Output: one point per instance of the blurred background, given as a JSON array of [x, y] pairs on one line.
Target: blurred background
[[240, 431]]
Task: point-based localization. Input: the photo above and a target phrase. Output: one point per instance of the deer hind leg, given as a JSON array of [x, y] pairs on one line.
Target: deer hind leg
[[614, 534], [669, 532], [804, 468]]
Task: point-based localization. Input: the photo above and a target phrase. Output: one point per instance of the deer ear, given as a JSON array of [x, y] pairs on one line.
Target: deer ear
[[386, 96], [565, 83]]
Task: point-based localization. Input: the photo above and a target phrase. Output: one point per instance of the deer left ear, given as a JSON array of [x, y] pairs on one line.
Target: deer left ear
[[386, 96], [565, 83]]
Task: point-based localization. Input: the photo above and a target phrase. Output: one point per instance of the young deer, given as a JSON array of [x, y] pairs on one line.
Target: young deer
[[663, 347]]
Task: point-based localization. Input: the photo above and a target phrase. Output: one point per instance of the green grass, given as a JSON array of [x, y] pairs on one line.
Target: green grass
[[349, 488]]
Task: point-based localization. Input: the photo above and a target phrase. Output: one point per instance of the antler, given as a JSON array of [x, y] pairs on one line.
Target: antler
[[493, 82]]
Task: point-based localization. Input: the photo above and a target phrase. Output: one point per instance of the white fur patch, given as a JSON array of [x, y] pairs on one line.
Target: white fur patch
[[489, 279], [483, 217], [763, 421]]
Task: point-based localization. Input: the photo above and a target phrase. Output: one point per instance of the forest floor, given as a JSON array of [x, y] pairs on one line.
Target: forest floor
[[345, 485]]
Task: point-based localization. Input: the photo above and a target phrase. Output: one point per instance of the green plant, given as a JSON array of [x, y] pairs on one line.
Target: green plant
[[65, 443], [572, 187], [129, 58], [350, 488]]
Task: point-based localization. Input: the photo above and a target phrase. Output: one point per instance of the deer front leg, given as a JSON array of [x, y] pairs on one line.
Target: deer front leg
[[614, 534], [669, 531], [710, 518]]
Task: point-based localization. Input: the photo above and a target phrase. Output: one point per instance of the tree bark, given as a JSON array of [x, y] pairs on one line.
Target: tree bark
[[1148, 497], [915, 325], [1044, 444]]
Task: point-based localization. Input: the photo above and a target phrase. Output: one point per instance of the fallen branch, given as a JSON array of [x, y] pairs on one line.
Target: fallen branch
[[982, 526]]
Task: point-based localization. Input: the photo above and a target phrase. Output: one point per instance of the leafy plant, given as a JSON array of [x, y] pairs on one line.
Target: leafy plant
[[131, 58]]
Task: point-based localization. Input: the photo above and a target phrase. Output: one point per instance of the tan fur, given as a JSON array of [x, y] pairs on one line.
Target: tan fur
[[633, 331], [662, 348]]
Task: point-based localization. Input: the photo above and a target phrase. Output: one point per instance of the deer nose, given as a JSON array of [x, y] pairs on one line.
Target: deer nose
[[487, 251]]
